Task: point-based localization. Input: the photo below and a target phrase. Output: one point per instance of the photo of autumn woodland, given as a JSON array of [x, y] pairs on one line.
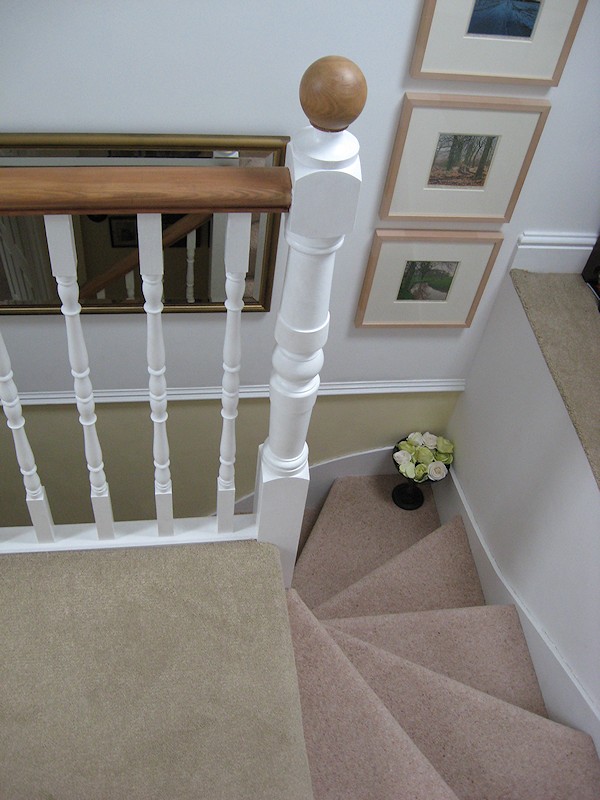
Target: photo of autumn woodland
[[462, 160]]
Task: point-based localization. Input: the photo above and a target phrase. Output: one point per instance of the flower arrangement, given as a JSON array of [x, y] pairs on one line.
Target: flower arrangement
[[423, 456]]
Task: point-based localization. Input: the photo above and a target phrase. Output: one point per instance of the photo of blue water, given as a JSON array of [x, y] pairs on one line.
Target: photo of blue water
[[504, 17]]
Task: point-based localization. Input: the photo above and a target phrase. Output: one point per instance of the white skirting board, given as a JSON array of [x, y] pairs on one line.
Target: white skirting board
[[552, 252], [370, 462], [566, 700]]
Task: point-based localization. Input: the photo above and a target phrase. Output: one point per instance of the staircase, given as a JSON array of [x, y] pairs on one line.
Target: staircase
[[410, 686]]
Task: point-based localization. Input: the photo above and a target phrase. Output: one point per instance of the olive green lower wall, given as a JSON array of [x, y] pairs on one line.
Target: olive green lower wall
[[341, 425]]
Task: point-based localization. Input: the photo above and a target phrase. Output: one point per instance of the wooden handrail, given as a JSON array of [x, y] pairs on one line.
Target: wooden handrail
[[144, 190], [124, 265]]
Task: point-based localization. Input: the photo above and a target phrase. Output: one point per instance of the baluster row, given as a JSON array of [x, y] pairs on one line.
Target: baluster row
[[63, 259]]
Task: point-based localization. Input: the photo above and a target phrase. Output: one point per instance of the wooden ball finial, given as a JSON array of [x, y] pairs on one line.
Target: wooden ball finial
[[333, 92]]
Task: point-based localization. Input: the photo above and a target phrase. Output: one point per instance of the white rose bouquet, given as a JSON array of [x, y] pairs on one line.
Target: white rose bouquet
[[423, 456]]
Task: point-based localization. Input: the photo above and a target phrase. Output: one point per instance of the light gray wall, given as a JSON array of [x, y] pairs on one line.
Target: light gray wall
[[233, 67], [532, 493]]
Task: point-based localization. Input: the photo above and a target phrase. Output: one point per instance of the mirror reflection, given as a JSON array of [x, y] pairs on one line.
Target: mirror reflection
[[108, 264]]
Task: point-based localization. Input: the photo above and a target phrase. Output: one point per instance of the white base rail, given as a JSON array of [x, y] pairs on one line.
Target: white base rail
[[138, 533]]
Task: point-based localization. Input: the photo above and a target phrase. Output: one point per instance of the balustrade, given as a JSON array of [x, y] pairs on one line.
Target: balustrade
[[326, 176]]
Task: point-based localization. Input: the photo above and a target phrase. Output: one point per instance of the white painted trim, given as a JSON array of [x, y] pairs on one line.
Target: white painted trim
[[370, 462], [553, 252], [566, 699], [260, 390], [190, 530]]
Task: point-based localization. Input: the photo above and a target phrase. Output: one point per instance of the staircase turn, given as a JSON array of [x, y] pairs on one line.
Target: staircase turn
[[410, 686]]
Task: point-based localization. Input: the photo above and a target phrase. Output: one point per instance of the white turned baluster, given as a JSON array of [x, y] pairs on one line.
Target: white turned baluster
[[63, 259], [152, 269], [190, 249], [326, 179], [130, 285], [39, 510], [217, 258], [237, 249]]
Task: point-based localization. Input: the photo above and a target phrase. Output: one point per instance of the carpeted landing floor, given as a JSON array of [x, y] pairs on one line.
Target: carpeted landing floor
[[411, 688], [563, 314], [160, 673]]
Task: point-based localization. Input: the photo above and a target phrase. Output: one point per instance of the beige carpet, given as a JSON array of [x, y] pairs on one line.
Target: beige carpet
[[563, 314], [410, 687], [148, 674], [361, 518]]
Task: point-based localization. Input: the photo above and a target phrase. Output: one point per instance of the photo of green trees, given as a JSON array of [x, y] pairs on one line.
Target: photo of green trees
[[427, 280]]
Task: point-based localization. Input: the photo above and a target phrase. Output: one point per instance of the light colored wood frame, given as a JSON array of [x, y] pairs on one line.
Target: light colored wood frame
[[432, 237], [423, 35], [415, 101]]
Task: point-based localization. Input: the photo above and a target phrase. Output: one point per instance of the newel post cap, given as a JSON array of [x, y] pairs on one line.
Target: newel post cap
[[333, 92]]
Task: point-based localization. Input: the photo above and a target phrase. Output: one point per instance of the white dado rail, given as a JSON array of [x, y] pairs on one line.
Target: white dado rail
[[325, 173]]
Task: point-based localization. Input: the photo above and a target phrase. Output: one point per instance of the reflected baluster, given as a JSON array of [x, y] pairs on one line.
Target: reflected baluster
[[190, 249]]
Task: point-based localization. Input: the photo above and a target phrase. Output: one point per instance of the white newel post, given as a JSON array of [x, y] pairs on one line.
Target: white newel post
[[326, 179], [63, 260]]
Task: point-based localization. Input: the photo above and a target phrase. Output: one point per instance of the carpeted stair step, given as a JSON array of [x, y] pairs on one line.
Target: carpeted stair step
[[149, 673], [359, 528], [356, 749], [483, 747], [482, 646], [436, 572]]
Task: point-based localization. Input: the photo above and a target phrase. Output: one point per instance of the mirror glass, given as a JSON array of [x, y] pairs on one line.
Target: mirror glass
[[108, 266]]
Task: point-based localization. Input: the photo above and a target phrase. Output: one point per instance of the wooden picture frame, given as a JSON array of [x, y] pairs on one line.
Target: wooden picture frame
[[500, 133], [460, 40], [426, 279]]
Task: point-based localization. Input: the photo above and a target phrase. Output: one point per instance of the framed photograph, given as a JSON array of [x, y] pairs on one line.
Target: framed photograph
[[123, 231], [461, 158], [428, 279], [512, 41]]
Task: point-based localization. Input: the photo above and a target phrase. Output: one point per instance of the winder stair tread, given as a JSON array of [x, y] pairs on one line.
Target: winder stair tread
[[482, 646], [359, 528], [483, 747], [436, 572], [355, 747]]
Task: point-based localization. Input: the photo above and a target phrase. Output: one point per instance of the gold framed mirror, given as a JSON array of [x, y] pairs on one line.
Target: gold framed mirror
[[108, 265]]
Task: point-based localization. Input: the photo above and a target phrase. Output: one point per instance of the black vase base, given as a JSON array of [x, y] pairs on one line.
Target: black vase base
[[408, 496]]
